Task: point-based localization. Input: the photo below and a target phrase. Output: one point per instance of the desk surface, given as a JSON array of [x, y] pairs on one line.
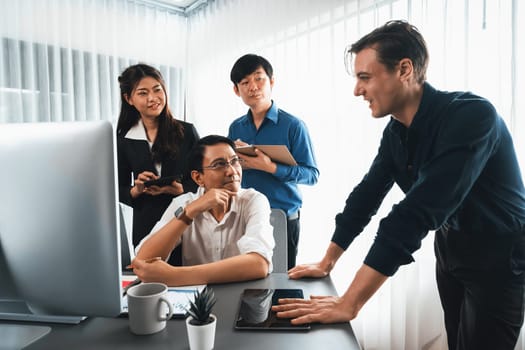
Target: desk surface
[[113, 333]]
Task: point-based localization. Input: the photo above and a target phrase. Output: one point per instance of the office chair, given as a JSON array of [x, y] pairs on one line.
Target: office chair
[[280, 235], [126, 247]]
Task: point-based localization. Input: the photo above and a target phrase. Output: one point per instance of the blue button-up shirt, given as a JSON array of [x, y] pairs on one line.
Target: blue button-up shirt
[[279, 128]]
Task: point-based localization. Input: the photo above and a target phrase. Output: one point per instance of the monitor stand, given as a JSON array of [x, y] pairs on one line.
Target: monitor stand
[[17, 310], [18, 336]]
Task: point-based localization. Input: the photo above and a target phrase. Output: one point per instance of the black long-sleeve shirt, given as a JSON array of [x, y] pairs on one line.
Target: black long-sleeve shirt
[[456, 165]]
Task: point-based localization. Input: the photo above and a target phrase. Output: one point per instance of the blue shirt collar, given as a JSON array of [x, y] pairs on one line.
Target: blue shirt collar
[[272, 114]]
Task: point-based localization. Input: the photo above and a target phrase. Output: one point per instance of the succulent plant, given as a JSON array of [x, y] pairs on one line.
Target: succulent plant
[[200, 308]]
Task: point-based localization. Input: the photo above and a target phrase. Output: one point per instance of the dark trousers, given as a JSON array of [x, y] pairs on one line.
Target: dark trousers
[[481, 291], [293, 228]]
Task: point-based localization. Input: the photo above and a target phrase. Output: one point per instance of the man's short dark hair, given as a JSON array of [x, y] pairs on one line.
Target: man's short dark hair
[[394, 41], [196, 155], [248, 64]]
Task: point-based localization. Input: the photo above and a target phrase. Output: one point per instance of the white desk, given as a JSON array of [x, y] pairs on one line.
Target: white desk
[[113, 333]]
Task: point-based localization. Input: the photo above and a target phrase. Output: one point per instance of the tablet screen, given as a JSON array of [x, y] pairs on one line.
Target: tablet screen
[[163, 181], [255, 310]]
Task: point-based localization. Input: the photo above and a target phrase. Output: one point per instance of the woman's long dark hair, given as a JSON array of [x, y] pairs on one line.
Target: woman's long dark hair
[[170, 133]]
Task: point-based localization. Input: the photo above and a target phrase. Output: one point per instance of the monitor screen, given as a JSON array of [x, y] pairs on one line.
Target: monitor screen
[[59, 222]]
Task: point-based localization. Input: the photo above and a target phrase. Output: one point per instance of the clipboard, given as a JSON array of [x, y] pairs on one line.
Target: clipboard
[[277, 153]]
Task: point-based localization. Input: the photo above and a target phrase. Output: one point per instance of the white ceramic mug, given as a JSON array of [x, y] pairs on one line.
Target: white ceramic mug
[[148, 308]]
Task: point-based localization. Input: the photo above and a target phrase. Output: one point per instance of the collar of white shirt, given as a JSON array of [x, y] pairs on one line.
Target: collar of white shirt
[[137, 132]]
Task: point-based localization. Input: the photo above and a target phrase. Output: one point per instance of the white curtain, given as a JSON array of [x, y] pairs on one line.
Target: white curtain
[[60, 59], [474, 45]]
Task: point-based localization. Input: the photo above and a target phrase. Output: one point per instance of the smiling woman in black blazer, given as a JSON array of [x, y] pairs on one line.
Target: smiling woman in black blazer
[[151, 144]]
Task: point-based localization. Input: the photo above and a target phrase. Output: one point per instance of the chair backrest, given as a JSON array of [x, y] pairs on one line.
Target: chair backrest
[[126, 247], [280, 235]]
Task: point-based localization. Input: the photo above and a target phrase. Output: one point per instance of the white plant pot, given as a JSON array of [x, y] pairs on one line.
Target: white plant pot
[[201, 337]]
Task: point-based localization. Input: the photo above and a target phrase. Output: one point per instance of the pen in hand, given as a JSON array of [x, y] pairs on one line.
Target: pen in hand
[[149, 261], [134, 283], [137, 280]]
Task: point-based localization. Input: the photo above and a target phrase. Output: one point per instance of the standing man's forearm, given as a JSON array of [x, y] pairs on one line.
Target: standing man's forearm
[[320, 269], [366, 282], [333, 253], [333, 309]]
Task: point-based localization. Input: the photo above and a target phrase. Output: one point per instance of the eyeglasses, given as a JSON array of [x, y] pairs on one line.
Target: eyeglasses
[[223, 164]]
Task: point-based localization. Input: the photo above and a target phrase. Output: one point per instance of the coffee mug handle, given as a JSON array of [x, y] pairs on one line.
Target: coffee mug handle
[[170, 308]]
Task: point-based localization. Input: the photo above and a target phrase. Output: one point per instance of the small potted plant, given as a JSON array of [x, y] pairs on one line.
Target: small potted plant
[[201, 323]]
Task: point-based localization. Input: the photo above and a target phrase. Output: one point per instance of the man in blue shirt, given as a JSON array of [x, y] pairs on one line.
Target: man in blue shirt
[[453, 157], [266, 124]]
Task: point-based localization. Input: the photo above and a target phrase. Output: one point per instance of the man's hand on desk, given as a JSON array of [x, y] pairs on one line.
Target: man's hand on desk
[[307, 270], [333, 309], [320, 269], [319, 309]]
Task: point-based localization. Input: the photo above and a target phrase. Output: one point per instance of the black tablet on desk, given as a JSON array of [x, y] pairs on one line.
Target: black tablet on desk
[[255, 310]]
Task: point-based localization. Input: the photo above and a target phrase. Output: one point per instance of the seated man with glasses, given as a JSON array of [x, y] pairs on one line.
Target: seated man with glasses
[[226, 229]]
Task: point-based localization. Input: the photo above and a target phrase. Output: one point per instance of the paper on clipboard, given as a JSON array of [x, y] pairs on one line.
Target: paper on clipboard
[[277, 153]]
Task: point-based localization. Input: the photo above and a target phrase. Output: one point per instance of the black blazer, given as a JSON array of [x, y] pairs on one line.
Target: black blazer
[[134, 157]]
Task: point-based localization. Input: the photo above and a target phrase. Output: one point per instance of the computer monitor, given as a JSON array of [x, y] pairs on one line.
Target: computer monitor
[[59, 220]]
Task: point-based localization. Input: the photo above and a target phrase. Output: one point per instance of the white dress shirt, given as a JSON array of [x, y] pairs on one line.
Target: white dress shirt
[[245, 228]]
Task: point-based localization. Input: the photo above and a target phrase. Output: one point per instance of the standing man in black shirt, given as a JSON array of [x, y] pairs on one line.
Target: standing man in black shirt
[[453, 157]]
